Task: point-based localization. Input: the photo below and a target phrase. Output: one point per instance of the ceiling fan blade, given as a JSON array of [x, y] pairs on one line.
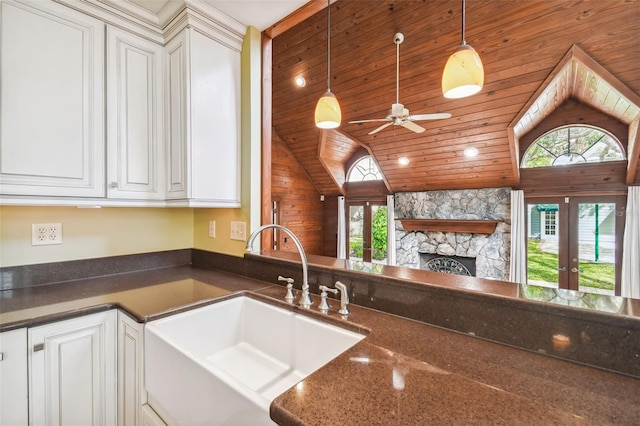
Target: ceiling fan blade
[[369, 121], [412, 126], [436, 116], [384, 126]]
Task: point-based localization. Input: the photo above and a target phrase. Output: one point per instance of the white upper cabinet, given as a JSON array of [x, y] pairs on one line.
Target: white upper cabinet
[[135, 160], [119, 120], [52, 103], [204, 121]]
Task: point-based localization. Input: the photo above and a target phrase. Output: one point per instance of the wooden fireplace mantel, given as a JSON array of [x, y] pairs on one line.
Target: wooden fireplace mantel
[[465, 226]]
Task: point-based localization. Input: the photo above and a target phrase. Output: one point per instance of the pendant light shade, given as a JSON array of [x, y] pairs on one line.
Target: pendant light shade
[[463, 74], [328, 114]]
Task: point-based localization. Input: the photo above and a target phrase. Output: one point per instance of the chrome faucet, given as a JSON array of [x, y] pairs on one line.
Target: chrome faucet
[[344, 298], [305, 299]]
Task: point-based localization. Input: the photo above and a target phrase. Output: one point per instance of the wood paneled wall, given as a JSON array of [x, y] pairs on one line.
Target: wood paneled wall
[[579, 179], [300, 208], [520, 43]]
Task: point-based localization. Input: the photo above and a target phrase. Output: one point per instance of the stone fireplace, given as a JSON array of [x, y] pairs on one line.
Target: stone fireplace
[[487, 252], [448, 264]]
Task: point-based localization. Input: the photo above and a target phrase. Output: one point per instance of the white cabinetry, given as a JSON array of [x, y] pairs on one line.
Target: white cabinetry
[[13, 378], [72, 370], [204, 121], [131, 392], [52, 101], [170, 132], [151, 418], [135, 109]]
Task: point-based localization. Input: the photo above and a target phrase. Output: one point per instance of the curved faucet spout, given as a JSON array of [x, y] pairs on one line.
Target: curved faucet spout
[[305, 299]]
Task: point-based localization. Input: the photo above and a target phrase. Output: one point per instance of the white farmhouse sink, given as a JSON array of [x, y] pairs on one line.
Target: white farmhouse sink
[[224, 363]]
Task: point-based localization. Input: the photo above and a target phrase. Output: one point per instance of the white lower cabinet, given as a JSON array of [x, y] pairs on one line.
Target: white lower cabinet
[[13, 378], [131, 391], [72, 371], [82, 371]]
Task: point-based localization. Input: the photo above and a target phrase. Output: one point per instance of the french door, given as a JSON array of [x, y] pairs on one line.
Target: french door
[[575, 243], [367, 230]]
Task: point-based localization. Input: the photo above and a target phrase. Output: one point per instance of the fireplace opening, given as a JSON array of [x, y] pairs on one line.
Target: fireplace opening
[[458, 265]]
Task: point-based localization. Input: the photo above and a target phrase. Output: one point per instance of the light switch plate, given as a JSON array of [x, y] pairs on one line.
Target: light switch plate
[[239, 231], [212, 228]]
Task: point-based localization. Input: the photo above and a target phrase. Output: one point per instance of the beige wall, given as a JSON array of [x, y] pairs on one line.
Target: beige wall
[[89, 233]]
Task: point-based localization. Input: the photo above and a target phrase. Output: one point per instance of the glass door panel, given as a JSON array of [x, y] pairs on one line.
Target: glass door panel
[[379, 233], [543, 244], [595, 256], [356, 232], [575, 243]]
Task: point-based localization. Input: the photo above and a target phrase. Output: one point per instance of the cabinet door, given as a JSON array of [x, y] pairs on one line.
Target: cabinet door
[[72, 371], [52, 106], [13, 378], [177, 86], [203, 134], [131, 393], [151, 418], [135, 111], [214, 121]]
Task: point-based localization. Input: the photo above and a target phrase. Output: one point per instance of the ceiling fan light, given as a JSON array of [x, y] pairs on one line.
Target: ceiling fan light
[[328, 114], [463, 74]]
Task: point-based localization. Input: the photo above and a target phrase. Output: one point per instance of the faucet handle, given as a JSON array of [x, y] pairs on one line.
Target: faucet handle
[[344, 298], [286, 279], [289, 297], [324, 306]]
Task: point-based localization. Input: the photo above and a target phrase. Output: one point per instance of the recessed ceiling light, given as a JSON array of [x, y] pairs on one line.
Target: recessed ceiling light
[[471, 151], [300, 81], [403, 161]]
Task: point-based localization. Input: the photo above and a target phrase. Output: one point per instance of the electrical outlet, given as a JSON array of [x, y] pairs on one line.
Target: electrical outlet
[[239, 231], [212, 228], [43, 234]]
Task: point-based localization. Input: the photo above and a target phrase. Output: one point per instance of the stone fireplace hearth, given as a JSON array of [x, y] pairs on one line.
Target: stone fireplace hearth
[[490, 251]]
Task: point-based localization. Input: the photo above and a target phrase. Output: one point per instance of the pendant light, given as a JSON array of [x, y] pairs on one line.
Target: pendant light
[[463, 75], [328, 114]]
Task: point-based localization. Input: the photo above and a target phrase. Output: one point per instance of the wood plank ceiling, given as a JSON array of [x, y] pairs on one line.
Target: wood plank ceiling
[[520, 43]]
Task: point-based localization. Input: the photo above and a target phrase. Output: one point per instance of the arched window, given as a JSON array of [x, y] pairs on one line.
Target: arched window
[[363, 170], [572, 145]]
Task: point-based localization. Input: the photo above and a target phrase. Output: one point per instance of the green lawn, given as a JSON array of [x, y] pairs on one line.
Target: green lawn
[[544, 267]]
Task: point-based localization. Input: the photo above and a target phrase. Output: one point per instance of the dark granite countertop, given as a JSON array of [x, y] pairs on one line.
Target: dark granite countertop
[[404, 372], [145, 295]]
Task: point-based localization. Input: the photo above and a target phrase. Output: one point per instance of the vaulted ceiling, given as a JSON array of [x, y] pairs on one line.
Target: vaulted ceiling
[[520, 43]]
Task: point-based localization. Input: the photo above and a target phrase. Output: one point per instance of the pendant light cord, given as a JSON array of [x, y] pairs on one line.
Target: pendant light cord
[[464, 41], [328, 45], [397, 73]]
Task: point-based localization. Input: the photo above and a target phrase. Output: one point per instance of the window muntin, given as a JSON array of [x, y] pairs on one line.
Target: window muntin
[[572, 145], [365, 169]]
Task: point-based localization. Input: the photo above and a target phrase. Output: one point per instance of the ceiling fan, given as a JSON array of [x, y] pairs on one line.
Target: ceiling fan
[[399, 115]]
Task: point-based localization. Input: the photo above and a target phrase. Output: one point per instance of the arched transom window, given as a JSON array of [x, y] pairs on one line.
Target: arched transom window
[[364, 169], [572, 145]]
